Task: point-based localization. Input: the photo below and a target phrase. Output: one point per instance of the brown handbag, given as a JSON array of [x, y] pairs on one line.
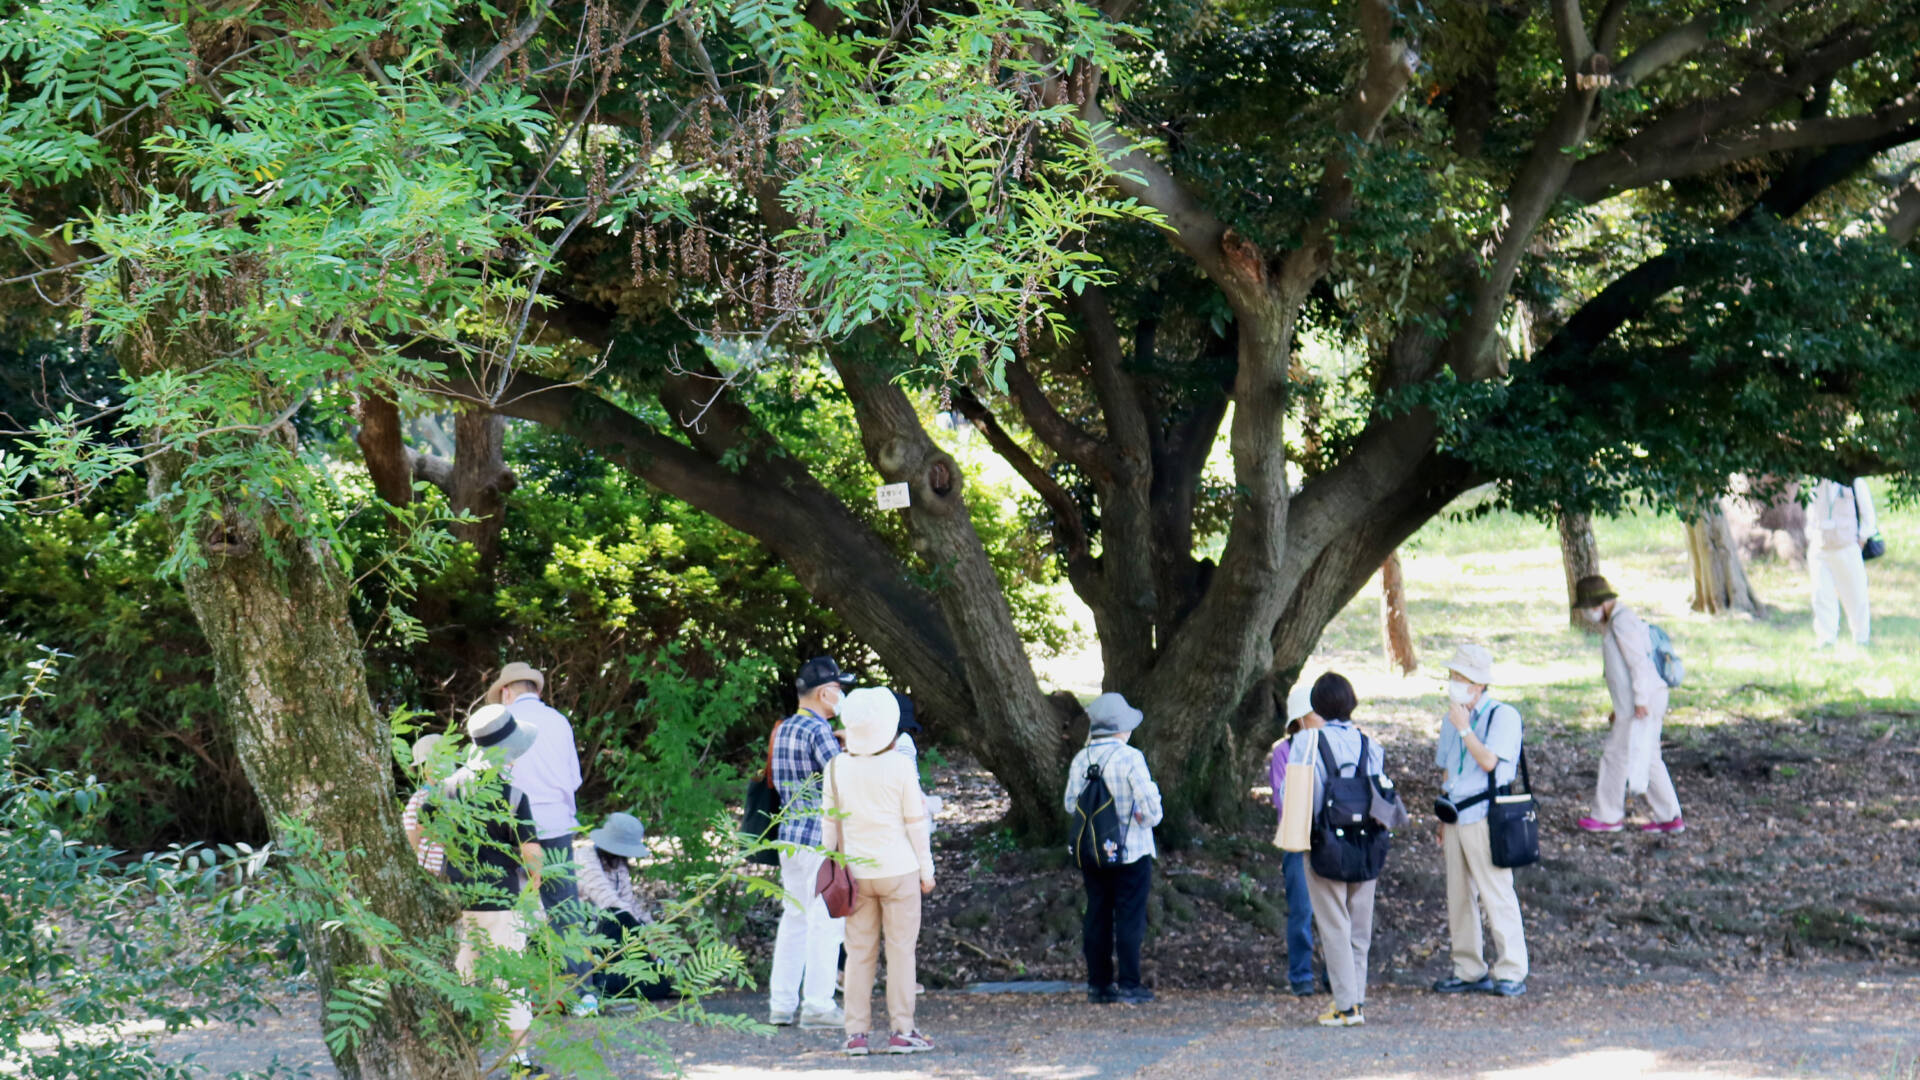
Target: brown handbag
[[834, 883]]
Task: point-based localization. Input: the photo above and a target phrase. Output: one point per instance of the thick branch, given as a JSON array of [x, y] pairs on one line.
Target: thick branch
[[1067, 521], [1060, 434], [1685, 39], [1126, 420], [1904, 220]]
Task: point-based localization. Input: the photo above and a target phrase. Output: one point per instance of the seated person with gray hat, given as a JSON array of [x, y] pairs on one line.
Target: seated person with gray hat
[[606, 882], [1116, 920], [1480, 736]]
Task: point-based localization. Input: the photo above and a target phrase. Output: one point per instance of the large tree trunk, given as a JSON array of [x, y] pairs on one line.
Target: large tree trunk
[[288, 665], [1719, 579], [1579, 557]]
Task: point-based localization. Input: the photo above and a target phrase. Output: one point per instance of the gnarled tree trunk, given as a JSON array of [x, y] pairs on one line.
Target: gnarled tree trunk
[[1719, 578], [273, 606]]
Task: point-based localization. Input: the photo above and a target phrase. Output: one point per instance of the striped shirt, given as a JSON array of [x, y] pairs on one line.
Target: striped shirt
[[1136, 798], [801, 749], [432, 856]]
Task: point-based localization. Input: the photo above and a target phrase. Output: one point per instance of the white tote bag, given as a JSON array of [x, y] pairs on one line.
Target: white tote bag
[[1296, 811]]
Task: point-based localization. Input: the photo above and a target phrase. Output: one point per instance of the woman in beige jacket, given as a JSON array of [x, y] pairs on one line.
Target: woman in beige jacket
[[876, 815]]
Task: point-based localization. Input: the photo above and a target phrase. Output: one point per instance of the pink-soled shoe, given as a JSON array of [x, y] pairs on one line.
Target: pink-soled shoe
[[1596, 825], [1676, 825]]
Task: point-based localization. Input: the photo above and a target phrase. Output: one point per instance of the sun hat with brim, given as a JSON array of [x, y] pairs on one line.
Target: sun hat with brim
[[622, 835], [1109, 714], [1474, 662], [872, 719], [423, 750], [496, 732], [513, 673], [1299, 701], [1592, 591]]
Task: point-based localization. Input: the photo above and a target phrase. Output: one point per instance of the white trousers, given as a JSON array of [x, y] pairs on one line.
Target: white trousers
[[806, 949], [1610, 793], [1839, 581]]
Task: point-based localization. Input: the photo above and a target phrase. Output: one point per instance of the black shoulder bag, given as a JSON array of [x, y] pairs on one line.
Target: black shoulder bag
[[1513, 822], [762, 804]]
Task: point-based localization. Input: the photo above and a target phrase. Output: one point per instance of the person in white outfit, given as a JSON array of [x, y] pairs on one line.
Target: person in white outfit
[[1841, 521], [1631, 762]]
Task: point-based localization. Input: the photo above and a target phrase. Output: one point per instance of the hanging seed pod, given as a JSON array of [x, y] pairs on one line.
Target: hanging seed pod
[[637, 257], [666, 54], [708, 152], [791, 117], [597, 173]]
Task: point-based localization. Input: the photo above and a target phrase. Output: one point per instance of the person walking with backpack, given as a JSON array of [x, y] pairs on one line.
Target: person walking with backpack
[[806, 947], [876, 817], [1293, 864], [1348, 851], [1631, 761], [1478, 753], [1844, 523], [1114, 846]]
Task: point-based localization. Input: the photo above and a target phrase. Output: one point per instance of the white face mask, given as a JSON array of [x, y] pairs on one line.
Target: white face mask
[[1595, 615], [1462, 693]]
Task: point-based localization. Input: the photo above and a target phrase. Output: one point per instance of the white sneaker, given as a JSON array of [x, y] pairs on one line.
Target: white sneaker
[[782, 1017], [822, 1019], [588, 1005]]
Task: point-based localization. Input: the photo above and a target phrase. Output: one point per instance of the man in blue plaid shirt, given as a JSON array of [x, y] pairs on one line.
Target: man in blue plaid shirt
[[807, 946]]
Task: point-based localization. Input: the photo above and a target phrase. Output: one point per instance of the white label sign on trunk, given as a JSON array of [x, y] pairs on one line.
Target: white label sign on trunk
[[894, 497]]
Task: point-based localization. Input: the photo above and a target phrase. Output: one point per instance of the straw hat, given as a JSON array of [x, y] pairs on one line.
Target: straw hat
[[513, 673], [872, 719]]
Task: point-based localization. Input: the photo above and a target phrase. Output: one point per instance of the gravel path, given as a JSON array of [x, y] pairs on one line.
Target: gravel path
[[1836, 1025]]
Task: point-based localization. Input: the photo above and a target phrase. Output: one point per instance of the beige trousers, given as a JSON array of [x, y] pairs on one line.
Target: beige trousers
[[502, 929], [1610, 792], [1471, 877], [889, 906], [1343, 913]]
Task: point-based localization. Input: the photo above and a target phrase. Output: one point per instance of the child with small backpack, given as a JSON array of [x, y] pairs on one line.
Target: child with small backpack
[[1349, 843], [1114, 805]]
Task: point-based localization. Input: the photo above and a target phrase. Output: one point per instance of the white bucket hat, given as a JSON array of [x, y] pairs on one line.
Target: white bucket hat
[[872, 719], [1299, 700], [1474, 662], [494, 730]]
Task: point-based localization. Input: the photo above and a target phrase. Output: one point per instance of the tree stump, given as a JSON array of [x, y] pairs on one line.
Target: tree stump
[[1719, 577]]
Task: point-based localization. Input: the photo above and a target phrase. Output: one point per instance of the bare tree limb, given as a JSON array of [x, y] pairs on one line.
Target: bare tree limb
[[1127, 427], [507, 46], [1067, 518], [1060, 434]]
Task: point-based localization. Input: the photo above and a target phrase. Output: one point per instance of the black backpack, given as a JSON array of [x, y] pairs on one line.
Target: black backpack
[[1348, 845], [1097, 840]]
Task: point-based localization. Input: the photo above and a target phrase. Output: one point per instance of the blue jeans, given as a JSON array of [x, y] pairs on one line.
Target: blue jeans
[[1299, 920]]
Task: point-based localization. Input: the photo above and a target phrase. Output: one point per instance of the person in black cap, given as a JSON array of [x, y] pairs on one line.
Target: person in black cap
[[806, 948]]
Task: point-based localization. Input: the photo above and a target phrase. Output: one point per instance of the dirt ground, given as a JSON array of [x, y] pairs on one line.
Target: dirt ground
[[1838, 1023]]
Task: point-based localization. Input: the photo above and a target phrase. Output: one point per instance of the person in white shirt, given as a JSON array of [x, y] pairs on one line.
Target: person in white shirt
[[1116, 919], [876, 815], [549, 775], [1478, 753], [1631, 762], [1841, 520]]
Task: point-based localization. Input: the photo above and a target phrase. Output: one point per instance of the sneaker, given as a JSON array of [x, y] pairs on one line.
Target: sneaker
[[1507, 988], [523, 1068], [782, 1017], [822, 1019], [1303, 989], [1139, 995], [1453, 984], [1103, 995], [1336, 1018], [588, 1005], [1676, 825], [911, 1043], [1596, 825], [856, 1046]]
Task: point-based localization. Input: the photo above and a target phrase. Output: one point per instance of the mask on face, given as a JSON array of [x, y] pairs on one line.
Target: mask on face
[[1595, 615], [1461, 693]]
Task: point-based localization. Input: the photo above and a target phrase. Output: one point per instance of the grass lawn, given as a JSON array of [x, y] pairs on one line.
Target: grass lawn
[[1498, 580]]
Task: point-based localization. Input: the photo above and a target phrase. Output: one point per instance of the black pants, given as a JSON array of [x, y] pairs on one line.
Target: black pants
[[611, 984], [560, 894], [1116, 920]]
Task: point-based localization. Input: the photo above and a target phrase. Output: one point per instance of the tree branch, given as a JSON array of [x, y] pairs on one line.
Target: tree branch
[[1683, 40], [1060, 434], [1127, 427], [1067, 518], [508, 45]]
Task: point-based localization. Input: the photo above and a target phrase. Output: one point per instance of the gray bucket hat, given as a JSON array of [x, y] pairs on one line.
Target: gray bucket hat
[[1109, 714], [622, 835], [494, 729]]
